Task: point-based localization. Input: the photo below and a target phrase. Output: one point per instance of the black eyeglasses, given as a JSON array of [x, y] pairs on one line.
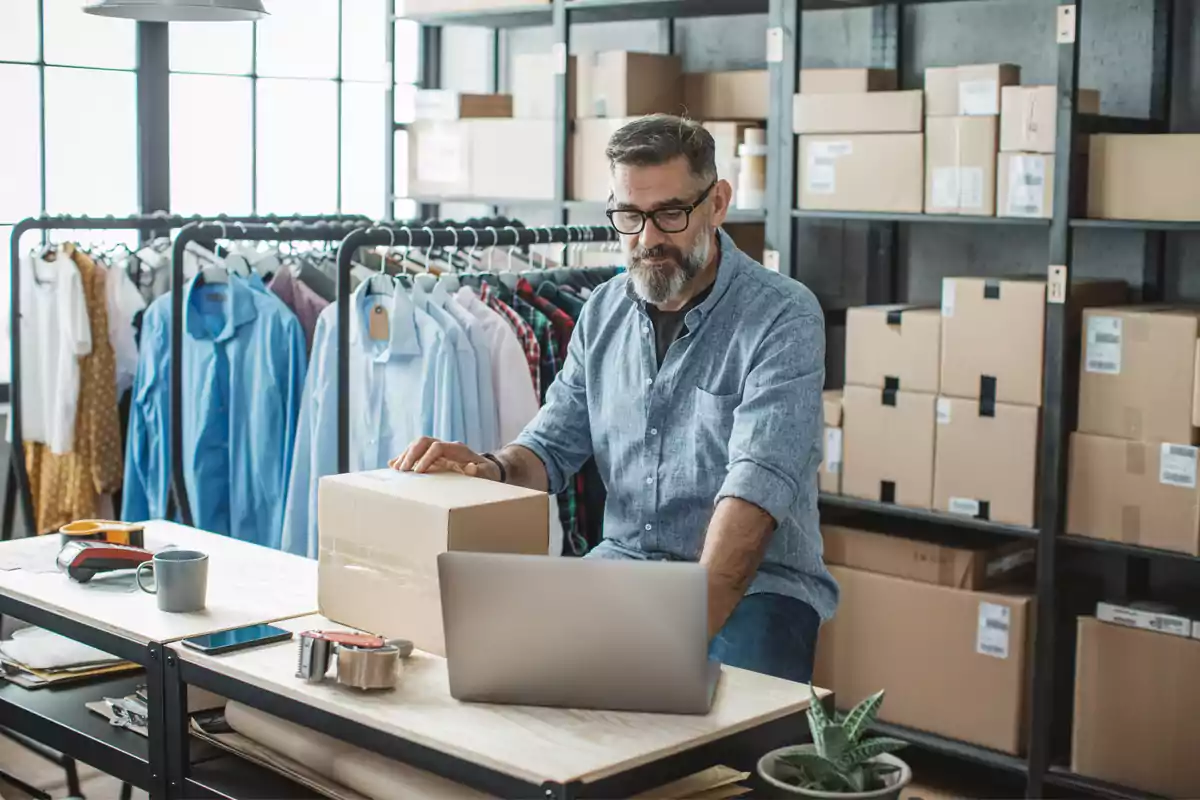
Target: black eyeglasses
[[673, 219]]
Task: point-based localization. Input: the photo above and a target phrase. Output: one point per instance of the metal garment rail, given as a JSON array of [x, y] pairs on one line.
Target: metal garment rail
[[329, 229], [378, 236], [17, 480]]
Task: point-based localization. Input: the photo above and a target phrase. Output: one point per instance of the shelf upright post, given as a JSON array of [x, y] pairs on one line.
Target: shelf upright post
[[1058, 401], [784, 21], [561, 52], [430, 78]]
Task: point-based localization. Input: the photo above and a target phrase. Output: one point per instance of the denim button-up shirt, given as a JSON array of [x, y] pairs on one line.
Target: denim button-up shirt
[[735, 411]]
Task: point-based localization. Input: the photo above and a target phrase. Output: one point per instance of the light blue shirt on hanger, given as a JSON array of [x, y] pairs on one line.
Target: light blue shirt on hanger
[[243, 373], [401, 388], [434, 303]]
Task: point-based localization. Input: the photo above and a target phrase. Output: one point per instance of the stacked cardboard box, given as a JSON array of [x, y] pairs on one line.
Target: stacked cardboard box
[[888, 403], [612, 88], [830, 480], [962, 630], [1028, 130], [988, 413], [1133, 463], [1137, 711], [961, 136], [861, 149]]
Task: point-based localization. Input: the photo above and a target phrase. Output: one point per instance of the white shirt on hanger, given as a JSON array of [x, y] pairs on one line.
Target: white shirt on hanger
[[55, 333], [123, 301]]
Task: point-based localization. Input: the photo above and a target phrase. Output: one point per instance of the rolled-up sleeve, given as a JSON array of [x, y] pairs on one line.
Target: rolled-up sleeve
[[560, 435], [774, 447]]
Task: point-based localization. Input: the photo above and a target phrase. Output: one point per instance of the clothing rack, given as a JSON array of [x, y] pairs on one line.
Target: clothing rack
[[329, 229], [17, 481], [427, 237]]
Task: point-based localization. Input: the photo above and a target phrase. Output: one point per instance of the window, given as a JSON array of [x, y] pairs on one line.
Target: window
[[20, 144], [406, 74], [212, 158]]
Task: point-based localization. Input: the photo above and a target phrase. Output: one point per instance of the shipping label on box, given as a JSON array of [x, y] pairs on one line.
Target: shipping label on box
[[967, 91], [1025, 185], [1146, 619]]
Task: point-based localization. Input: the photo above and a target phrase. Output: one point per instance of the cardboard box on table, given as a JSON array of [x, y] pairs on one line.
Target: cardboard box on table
[[958, 566], [1139, 176], [618, 83], [1137, 378], [830, 480], [847, 81], [738, 95], [381, 533], [865, 112], [888, 443], [1137, 709], [1141, 493], [954, 662], [862, 172], [894, 345], [987, 460], [960, 165], [967, 91]]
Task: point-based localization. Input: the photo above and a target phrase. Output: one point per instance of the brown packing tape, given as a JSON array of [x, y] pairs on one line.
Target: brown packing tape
[[1131, 524], [1135, 458], [1133, 422]]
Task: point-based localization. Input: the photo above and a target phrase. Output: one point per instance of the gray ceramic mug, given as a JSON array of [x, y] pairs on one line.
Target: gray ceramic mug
[[180, 580]]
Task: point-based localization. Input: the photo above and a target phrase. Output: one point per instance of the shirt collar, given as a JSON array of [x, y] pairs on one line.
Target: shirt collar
[[238, 308], [402, 322], [727, 268]]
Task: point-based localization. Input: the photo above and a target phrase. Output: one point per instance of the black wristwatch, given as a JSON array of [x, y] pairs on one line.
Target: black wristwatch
[[499, 466]]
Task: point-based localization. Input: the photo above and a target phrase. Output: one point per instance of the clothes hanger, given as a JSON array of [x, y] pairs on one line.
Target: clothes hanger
[[426, 281], [448, 282], [380, 283], [214, 273]]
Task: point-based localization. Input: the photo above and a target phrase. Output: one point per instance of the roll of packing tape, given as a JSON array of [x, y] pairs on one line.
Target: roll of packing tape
[[368, 668]]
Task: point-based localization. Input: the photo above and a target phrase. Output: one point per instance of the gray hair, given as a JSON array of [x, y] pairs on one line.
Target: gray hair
[[654, 140]]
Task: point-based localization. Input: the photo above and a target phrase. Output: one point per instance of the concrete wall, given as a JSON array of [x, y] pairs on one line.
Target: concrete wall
[[1115, 60]]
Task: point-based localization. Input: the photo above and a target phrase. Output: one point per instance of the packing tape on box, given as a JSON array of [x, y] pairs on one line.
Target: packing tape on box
[[1135, 458], [1131, 524], [1132, 422]]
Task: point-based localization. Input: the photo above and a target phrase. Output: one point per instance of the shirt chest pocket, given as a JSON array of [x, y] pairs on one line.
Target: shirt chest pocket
[[714, 417]]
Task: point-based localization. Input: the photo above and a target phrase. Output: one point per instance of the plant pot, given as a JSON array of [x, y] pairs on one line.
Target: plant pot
[[768, 770]]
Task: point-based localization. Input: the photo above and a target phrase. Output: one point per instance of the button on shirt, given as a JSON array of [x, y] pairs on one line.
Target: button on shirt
[[737, 403]]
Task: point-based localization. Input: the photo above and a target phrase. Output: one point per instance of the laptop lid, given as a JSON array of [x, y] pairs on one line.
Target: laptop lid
[[576, 633]]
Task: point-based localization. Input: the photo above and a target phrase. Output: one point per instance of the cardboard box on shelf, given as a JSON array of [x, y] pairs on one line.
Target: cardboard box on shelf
[[887, 439], [1137, 376], [993, 333], [830, 473], [618, 83], [590, 178], [533, 87], [1136, 176], [967, 91], [1025, 185], [960, 166], [443, 104], [482, 158], [986, 463], [1029, 116], [959, 566], [417, 7], [1137, 710], [862, 172], [741, 95], [948, 644], [377, 576], [1142, 493], [866, 112], [846, 81], [894, 345]]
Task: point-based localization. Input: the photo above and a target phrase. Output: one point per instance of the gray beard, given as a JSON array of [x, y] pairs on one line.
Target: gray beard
[[656, 286]]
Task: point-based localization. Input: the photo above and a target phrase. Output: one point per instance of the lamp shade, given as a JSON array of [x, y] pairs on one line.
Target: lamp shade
[[179, 10]]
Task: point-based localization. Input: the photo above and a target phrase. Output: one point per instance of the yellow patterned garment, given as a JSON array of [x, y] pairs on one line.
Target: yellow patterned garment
[[69, 487]]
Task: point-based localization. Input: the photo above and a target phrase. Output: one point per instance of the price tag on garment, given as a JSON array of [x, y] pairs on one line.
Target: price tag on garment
[[378, 327]]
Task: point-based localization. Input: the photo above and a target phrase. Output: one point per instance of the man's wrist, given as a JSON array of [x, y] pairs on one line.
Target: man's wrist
[[495, 468]]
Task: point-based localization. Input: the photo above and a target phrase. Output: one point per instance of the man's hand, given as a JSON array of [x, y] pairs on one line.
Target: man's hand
[[433, 455]]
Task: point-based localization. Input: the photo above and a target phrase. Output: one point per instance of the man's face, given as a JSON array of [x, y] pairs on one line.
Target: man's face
[[661, 264]]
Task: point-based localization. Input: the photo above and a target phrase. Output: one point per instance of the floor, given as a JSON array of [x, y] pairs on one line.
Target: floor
[[46, 776]]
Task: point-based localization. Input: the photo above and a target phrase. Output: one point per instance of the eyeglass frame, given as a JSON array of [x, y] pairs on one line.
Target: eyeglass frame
[[652, 215]]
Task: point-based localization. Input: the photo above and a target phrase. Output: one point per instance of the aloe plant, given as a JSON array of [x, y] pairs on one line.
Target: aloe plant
[[840, 759]]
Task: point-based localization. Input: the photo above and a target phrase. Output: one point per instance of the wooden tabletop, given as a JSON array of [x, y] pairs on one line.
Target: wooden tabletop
[[532, 744], [247, 585]]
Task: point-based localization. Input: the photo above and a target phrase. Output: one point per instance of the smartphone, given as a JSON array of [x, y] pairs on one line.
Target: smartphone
[[214, 644]]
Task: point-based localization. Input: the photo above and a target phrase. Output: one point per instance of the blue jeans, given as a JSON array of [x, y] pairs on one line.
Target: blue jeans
[[772, 634]]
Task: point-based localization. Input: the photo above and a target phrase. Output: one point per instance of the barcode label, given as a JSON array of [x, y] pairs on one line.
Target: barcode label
[[833, 450], [994, 628], [1026, 186], [978, 98], [970, 188], [948, 292], [821, 174], [1177, 466], [966, 506], [1103, 353], [943, 411]]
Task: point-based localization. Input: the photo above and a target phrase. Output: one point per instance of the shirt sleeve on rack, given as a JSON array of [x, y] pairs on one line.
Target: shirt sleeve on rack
[[292, 378], [774, 445], [144, 494]]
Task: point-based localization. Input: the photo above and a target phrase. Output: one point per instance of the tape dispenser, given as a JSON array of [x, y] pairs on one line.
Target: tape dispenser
[[363, 661]]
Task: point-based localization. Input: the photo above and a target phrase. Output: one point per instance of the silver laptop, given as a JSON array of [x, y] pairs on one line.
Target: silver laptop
[[577, 633]]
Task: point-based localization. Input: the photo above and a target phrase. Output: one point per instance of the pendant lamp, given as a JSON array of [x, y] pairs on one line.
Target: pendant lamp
[[179, 10]]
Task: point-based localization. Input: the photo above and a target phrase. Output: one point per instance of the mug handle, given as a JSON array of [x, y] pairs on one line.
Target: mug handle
[[138, 576]]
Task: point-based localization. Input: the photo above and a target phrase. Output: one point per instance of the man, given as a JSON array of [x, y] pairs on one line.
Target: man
[[695, 380]]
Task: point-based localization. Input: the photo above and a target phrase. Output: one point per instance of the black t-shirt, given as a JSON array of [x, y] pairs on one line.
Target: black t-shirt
[[669, 325]]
